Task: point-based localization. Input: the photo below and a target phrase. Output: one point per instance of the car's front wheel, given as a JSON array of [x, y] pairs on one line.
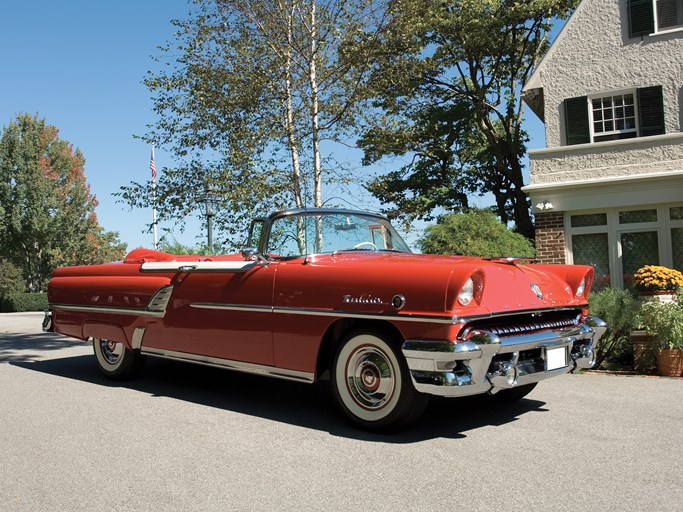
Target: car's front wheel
[[371, 383], [115, 360]]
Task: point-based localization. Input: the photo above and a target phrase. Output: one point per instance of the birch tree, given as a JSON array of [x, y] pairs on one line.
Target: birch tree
[[252, 91]]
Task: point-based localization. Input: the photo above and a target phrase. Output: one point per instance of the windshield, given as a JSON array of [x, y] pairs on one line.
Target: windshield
[[310, 233]]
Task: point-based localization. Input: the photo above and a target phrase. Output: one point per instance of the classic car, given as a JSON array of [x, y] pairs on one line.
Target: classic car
[[329, 294]]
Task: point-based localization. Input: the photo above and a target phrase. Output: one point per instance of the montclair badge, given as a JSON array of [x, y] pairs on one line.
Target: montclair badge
[[363, 299]]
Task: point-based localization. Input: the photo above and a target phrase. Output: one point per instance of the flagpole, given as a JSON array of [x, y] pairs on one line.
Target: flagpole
[[153, 168]]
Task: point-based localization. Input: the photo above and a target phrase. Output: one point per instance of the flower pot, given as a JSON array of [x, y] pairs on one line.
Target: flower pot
[[670, 362], [660, 295]]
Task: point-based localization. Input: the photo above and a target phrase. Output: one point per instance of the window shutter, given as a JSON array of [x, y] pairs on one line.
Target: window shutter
[[576, 120], [651, 111], [641, 18]]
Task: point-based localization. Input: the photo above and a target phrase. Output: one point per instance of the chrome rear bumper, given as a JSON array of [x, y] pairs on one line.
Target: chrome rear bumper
[[487, 363]]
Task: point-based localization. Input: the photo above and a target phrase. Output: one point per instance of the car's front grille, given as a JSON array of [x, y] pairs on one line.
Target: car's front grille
[[511, 325]]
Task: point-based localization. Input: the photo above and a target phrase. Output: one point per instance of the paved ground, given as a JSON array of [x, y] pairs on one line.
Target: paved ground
[[193, 438]]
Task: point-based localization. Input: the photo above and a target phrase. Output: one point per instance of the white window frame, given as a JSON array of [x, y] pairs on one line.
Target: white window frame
[[612, 95], [614, 229], [664, 30]]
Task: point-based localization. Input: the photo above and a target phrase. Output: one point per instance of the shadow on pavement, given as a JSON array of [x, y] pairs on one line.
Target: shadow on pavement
[[308, 406], [27, 347]]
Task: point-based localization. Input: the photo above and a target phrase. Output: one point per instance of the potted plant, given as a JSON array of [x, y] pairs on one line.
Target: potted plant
[[664, 321], [654, 282]]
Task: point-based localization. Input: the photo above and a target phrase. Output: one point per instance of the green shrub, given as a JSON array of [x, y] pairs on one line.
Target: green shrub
[[11, 280], [664, 321], [20, 302], [474, 233], [619, 309]]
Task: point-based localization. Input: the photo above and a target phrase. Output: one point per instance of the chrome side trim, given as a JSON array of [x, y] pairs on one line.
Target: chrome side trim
[[156, 307], [197, 266], [159, 301], [138, 334], [104, 309], [330, 313], [240, 366]]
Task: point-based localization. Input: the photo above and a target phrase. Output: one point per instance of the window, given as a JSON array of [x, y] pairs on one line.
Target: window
[[647, 17], [617, 242], [613, 116], [669, 14]]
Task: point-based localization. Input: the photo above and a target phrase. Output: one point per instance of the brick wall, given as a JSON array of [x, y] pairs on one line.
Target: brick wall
[[550, 246]]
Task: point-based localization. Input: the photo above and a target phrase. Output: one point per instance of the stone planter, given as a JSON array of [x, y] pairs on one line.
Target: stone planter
[[670, 362], [660, 295]]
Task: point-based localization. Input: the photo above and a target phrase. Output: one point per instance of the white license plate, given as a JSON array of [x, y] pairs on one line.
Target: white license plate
[[555, 358]]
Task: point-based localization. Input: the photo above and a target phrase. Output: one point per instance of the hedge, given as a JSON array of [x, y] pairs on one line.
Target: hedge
[[20, 302]]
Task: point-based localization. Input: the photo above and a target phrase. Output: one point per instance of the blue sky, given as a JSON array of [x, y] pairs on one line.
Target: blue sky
[[80, 64]]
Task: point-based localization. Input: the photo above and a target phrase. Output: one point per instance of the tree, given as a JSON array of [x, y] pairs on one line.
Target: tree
[[11, 279], [474, 233], [256, 88], [447, 78], [47, 213]]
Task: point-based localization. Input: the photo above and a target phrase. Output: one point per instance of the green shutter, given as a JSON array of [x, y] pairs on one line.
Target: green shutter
[[576, 120], [651, 111], [641, 18]]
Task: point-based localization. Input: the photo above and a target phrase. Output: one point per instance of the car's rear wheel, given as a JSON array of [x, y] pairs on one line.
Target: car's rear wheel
[[115, 360], [371, 384]]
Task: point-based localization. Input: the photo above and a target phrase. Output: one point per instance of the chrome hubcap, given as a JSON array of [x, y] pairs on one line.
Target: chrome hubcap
[[111, 351], [370, 377]]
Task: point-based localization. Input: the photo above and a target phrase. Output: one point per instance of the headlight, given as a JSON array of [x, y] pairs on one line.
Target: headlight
[[466, 293], [581, 288]]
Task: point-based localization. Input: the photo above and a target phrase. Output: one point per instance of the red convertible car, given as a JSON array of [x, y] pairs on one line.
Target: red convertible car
[[337, 295]]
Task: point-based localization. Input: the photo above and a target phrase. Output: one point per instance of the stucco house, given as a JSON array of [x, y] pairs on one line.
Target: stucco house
[[608, 188]]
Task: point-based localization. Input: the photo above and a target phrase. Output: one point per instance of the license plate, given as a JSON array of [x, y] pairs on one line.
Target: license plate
[[555, 358]]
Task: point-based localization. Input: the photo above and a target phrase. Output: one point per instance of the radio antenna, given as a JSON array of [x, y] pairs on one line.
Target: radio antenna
[[305, 219]]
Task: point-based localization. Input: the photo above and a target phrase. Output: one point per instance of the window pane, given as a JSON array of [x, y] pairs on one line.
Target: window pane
[[633, 216], [590, 219], [677, 247], [676, 213], [592, 250], [638, 249], [669, 13]]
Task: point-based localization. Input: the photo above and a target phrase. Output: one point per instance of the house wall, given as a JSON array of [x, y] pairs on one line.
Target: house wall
[[623, 158], [550, 241], [594, 54]]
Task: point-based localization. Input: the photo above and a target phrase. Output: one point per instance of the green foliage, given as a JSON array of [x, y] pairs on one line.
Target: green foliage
[[47, 213], [175, 247], [21, 302], [474, 233], [664, 321], [447, 76], [619, 309], [251, 89], [11, 279]]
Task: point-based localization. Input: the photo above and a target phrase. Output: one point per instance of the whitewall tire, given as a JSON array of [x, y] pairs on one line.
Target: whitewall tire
[[371, 383], [115, 360]]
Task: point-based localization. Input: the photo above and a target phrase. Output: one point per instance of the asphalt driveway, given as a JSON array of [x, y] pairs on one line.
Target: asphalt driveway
[[188, 438]]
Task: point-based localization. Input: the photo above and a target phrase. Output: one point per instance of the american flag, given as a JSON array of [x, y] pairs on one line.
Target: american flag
[[153, 167]]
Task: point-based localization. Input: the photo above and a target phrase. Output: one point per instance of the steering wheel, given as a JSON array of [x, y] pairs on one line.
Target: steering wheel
[[358, 246]]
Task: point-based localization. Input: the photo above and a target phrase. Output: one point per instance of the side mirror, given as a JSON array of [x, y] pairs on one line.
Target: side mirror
[[250, 254]]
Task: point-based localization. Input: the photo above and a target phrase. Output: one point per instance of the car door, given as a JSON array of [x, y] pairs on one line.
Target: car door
[[219, 314]]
